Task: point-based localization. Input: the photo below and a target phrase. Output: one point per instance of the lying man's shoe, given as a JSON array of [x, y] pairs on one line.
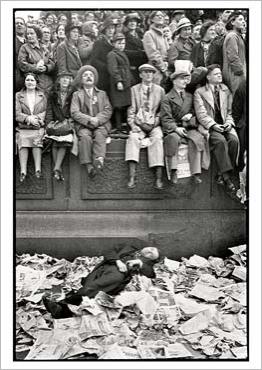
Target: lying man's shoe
[[57, 310]]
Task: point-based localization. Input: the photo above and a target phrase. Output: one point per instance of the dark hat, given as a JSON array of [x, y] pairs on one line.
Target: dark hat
[[87, 27], [147, 67], [64, 73], [118, 36], [179, 74], [84, 69], [109, 22], [131, 16], [70, 27]]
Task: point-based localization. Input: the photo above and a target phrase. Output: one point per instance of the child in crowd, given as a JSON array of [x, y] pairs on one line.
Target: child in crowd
[[120, 82]]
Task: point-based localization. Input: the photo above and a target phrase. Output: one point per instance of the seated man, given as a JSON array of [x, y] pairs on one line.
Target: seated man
[[144, 121], [110, 276], [180, 125], [91, 111], [213, 110]]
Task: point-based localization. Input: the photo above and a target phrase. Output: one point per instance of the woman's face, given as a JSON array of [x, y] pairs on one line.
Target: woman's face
[[185, 32], [63, 20], [61, 31], [31, 35], [65, 81], [109, 31], [74, 34], [158, 18], [210, 33], [132, 24], [30, 82], [150, 253]]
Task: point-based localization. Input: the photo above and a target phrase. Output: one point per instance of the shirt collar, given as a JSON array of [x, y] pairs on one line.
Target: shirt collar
[[146, 86]]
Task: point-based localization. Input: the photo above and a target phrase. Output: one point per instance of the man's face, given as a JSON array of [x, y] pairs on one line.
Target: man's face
[[215, 76], [132, 24], [180, 82], [109, 31], [88, 79], [50, 20], [74, 34], [239, 23], [19, 26], [147, 76], [196, 33], [179, 16], [46, 34], [74, 18], [185, 32]]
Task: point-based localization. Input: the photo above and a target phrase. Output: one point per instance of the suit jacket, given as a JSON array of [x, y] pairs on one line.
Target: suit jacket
[[157, 93], [68, 59], [82, 119], [22, 110], [205, 107], [173, 108]]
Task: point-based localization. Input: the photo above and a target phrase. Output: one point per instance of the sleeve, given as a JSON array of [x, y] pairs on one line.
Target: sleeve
[[232, 54], [172, 54], [158, 111], [201, 113], [119, 252], [41, 115], [167, 120], [152, 53], [96, 60], [23, 63], [229, 118], [50, 64], [105, 115], [148, 270], [112, 67], [238, 105], [61, 59], [132, 109], [19, 115], [76, 114]]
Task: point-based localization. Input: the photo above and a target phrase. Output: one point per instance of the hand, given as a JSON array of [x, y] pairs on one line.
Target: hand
[[41, 68], [227, 127], [133, 263], [120, 86], [218, 128], [238, 73], [187, 117], [135, 129], [181, 131], [94, 121], [121, 266]]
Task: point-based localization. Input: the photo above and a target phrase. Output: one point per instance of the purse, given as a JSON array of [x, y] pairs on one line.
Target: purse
[[58, 128]]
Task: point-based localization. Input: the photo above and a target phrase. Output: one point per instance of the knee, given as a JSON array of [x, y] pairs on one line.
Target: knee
[[85, 138], [133, 137]]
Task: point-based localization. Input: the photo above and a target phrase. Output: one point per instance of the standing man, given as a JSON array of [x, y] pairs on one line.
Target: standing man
[[143, 117], [180, 125], [91, 110], [213, 110], [234, 52], [20, 28]]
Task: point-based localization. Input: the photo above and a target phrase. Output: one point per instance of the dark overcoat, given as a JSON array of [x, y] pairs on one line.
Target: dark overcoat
[[99, 60], [106, 276], [197, 55], [68, 59], [55, 111], [119, 70]]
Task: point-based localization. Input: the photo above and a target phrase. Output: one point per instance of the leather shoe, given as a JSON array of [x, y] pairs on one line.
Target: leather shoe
[[22, 177], [38, 174], [197, 179], [159, 184], [57, 310], [98, 164], [174, 178], [230, 186], [219, 180], [131, 183], [91, 172]]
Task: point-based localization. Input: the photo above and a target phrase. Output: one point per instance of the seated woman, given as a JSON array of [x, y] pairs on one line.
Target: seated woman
[[58, 109], [110, 276], [30, 115]]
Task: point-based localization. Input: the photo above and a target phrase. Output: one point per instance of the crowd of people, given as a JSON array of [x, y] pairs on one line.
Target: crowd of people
[[157, 78]]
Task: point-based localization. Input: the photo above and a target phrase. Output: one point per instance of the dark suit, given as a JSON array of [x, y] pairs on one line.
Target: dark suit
[[173, 108]]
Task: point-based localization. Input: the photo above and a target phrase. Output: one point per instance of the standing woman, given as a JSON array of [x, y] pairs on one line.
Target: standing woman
[[68, 59], [33, 57], [58, 109], [30, 115], [101, 48], [200, 50], [134, 45], [60, 31]]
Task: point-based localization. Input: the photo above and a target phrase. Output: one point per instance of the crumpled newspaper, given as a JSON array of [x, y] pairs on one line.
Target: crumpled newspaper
[[195, 308]]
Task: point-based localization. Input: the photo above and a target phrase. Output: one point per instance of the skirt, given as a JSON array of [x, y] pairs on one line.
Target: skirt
[[30, 138]]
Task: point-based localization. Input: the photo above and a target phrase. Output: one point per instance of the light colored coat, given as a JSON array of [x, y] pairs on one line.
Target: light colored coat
[[22, 110], [234, 60], [205, 108], [157, 93]]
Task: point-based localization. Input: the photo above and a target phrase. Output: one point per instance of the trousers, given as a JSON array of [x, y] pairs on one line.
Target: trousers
[[92, 144], [155, 149]]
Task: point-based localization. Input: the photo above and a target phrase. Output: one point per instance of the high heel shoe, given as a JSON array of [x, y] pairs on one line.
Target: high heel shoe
[[38, 174], [58, 175], [22, 177]]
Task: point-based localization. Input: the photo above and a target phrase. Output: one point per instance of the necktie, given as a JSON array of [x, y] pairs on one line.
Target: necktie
[[182, 95], [216, 94]]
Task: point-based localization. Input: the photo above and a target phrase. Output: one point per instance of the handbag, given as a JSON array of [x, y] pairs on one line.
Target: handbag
[[57, 128]]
